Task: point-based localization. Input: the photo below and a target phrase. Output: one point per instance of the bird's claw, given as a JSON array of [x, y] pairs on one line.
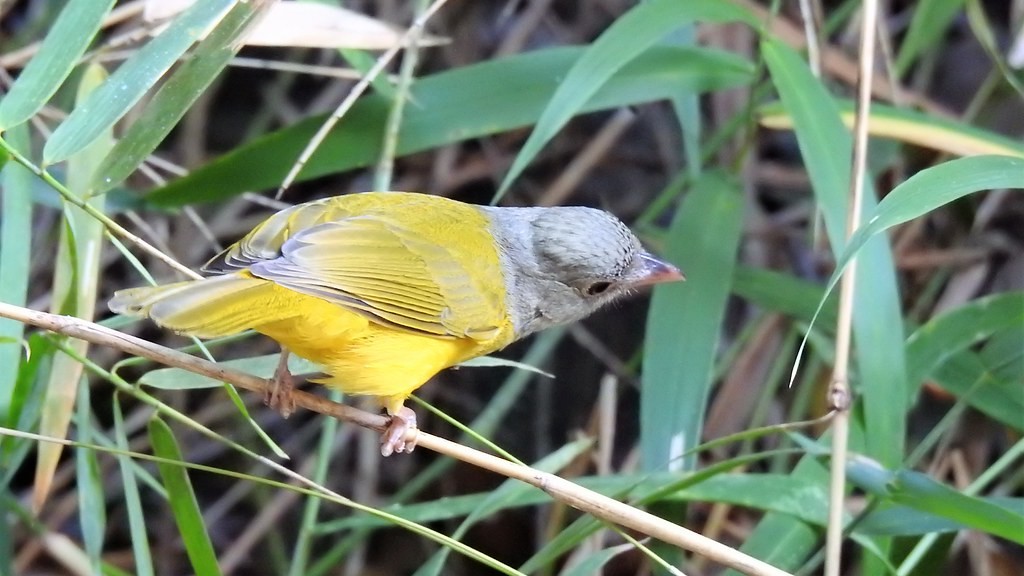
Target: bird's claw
[[279, 396], [395, 435]]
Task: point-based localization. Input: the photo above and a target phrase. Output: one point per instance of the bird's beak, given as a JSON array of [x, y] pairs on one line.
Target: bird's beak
[[656, 271]]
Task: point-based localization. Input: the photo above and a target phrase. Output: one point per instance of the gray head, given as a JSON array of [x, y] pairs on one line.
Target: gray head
[[561, 264]]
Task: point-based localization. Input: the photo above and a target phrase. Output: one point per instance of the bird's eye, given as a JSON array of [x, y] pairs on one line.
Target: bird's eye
[[598, 288]]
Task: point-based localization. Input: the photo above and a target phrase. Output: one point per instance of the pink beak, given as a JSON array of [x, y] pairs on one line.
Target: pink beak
[[657, 271]]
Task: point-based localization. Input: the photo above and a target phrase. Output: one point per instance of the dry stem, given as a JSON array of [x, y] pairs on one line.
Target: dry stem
[[560, 489]]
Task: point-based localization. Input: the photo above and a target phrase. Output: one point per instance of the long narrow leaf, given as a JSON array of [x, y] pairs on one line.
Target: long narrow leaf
[[75, 284], [453, 106], [131, 80], [944, 336], [182, 499], [175, 97], [15, 250], [92, 510], [143, 559], [64, 44], [628, 37], [685, 321], [878, 329], [934, 187]]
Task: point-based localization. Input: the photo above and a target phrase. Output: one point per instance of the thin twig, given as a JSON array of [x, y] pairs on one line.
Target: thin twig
[[350, 100], [111, 225], [560, 489], [386, 164], [839, 391]]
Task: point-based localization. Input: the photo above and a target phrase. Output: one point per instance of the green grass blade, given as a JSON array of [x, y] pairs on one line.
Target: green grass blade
[[928, 26], [142, 558], [75, 283], [628, 37], [922, 492], [784, 293], [182, 499], [306, 533], [15, 265], [942, 337], [878, 329], [175, 97], [906, 521], [64, 44], [92, 511], [500, 498], [685, 320], [130, 81], [594, 563], [452, 106], [990, 381], [913, 127], [935, 187]]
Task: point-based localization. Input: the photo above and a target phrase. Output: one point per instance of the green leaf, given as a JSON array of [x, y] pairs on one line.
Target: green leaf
[[92, 505], [628, 37], [142, 558], [182, 499], [130, 81], [944, 336], [912, 127], [906, 521], [932, 188], [928, 26], [784, 293], [262, 366], [826, 147], [677, 366], [594, 563], [452, 106], [75, 282], [177, 95], [15, 255], [990, 381], [921, 492], [64, 44]]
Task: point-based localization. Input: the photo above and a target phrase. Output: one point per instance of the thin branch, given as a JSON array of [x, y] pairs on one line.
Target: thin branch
[[356, 92], [560, 489], [111, 225], [839, 391], [386, 165]]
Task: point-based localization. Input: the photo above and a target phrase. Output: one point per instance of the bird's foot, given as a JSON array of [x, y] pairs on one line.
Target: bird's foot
[[394, 437], [279, 396]]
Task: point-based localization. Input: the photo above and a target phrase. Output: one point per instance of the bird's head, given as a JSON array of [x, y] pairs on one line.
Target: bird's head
[[563, 263]]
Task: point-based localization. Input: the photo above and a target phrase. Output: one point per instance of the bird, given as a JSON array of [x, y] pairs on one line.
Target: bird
[[383, 290]]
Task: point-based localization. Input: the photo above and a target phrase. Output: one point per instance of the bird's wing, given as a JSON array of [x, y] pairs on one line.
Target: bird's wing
[[264, 242], [374, 266]]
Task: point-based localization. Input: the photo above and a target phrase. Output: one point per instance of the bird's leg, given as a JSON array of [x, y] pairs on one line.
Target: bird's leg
[[279, 396], [403, 420]]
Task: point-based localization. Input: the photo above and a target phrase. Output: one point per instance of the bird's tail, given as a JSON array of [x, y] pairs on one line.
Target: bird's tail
[[207, 308]]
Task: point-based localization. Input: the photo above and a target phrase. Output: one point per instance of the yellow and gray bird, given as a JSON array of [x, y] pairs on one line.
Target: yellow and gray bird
[[385, 289]]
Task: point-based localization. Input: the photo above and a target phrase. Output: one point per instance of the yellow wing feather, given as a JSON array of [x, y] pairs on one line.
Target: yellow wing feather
[[386, 256]]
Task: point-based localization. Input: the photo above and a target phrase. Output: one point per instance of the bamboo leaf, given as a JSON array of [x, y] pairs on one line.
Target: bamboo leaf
[[15, 265], [178, 94], [70, 35], [126, 86], [677, 378], [628, 37], [184, 506], [75, 282], [452, 106]]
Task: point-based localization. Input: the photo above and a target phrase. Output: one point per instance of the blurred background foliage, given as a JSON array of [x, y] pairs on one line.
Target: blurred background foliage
[[703, 124]]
